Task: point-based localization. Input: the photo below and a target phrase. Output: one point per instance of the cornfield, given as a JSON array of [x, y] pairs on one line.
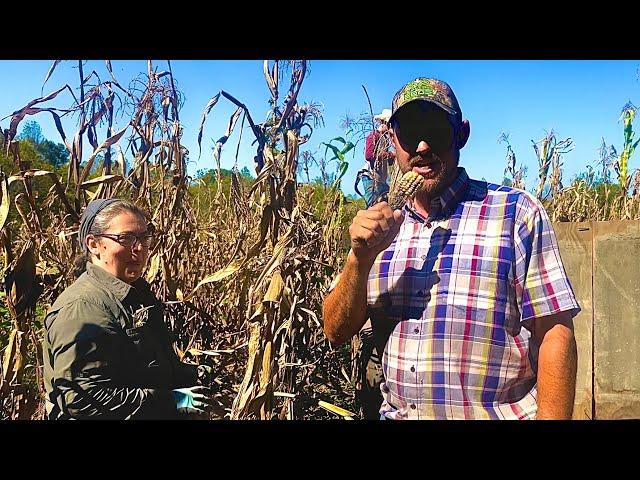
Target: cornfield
[[242, 268], [590, 196], [242, 265]]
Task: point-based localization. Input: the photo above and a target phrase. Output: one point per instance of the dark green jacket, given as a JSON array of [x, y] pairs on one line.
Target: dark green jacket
[[107, 352]]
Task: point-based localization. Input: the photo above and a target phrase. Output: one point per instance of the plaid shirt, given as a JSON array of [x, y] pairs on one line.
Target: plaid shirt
[[459, 292]]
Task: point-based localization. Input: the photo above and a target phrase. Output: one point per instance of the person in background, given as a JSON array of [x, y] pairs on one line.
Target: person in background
[[378, 156]]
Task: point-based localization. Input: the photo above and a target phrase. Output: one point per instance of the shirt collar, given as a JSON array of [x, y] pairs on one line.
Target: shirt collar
[[444, 204], [119, 288]]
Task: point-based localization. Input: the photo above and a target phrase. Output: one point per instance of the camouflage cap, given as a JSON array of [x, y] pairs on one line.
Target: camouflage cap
[[431, 90]]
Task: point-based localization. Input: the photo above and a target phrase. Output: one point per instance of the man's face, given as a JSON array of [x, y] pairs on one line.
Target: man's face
[[382, 127], [424, 139]]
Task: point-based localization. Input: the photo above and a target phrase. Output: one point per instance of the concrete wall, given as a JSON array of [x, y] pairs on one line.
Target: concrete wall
[[602, 260], [575, 241]]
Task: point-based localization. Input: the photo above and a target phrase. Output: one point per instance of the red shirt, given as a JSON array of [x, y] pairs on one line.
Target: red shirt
[[370, 146]]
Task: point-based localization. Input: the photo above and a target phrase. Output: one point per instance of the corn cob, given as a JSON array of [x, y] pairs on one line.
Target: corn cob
[[405, 189]]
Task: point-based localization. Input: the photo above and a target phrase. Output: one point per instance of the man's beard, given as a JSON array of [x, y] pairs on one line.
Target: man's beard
[[435, 183]]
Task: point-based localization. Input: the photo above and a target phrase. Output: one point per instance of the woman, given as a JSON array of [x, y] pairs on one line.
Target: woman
[[107, 352]]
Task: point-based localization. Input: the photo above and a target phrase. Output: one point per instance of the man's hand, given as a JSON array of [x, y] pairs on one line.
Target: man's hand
[[344, 309], [373, 230]]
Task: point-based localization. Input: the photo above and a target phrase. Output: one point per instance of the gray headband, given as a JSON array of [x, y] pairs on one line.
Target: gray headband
[[88, 216]]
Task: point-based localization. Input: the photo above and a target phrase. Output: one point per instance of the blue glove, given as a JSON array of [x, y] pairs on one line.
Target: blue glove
[[192, 399]]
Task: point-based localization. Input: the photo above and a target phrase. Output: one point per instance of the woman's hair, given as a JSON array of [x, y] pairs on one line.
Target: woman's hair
[[101, 224]]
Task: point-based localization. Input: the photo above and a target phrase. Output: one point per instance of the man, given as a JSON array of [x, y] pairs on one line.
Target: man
[[467, 279], [378, 159]]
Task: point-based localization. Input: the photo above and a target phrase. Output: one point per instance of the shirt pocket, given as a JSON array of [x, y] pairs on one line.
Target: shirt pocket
[[485, 301]]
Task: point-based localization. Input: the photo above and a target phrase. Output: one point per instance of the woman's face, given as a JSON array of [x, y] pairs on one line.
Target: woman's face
[[123, 262]]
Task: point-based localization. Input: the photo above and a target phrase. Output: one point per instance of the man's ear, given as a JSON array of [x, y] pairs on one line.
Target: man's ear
[[463, 134]]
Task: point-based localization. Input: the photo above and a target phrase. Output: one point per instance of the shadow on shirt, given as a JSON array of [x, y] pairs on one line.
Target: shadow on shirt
[[410, 294]]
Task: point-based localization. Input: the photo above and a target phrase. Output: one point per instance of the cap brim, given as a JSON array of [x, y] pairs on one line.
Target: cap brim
[[447, 109]]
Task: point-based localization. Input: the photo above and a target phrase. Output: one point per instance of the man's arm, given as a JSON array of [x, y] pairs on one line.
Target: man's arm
[[557, 366], [543, 289], [344, 309]]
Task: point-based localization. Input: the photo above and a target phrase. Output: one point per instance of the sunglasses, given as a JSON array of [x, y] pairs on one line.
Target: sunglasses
[[129, 240], [419, 121]]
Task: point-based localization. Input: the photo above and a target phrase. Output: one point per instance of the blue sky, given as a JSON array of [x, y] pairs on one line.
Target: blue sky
[[577, 98]]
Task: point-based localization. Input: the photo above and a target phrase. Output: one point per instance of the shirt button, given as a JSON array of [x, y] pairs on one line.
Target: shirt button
[[420, 293], [424, 257], [413, 406], [413, 369], [416, 330]]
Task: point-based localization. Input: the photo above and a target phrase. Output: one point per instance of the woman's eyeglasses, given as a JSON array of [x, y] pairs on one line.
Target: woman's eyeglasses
[[129, 240]]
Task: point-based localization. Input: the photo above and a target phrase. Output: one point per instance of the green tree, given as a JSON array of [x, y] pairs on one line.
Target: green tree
[[53, 153], [246, 173], [31, 131]]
